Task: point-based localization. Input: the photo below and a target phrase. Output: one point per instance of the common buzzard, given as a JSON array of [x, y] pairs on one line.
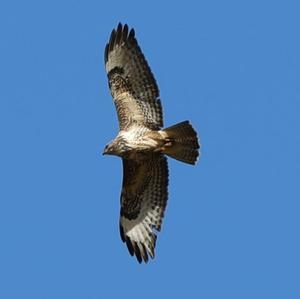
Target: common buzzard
[[142, 143]]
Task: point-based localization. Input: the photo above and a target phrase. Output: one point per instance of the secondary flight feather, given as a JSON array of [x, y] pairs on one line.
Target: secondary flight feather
[[142, 143]]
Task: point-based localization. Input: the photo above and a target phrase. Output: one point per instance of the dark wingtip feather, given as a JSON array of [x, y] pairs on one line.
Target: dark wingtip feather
[[106, 53], [119, 28], [141, 253], [122, 235], [129, 246], [125, 32], [144, 253], [112, 40], [137, 252], [119, 33], [131, 34]]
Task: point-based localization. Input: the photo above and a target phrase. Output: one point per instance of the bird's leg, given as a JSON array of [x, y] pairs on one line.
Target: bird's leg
[[168, 142]]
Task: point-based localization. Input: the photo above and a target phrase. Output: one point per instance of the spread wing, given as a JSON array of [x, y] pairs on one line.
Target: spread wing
[[131, 81], [143, 202]]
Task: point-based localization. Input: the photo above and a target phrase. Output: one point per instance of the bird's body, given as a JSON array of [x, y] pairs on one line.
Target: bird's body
[[142, 143], [137, 142]]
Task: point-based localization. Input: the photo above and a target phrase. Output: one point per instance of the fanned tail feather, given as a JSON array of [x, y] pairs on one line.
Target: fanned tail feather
[[184, 143]]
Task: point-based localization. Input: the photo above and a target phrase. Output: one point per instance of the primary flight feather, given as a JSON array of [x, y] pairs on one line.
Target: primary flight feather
[[142, 143]]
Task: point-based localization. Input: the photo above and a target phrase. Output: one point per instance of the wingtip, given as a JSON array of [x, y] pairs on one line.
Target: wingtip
[[137, 252], [131, 34], [118, 34], [112, 40], [106, 53], [124, 29], [137, 249]]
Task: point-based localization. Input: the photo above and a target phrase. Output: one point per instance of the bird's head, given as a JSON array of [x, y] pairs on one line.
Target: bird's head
[[117, 148], [110, 149]]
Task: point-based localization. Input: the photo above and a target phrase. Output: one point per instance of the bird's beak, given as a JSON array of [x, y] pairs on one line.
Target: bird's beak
[[105, 151]]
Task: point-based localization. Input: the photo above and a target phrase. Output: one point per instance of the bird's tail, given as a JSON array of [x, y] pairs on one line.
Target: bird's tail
[[183, 143]]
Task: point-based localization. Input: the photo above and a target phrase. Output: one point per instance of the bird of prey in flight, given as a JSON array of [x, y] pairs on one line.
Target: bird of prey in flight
[[142, 143]]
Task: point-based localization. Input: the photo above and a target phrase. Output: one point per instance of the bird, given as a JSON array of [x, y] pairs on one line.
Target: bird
[[142, 143]]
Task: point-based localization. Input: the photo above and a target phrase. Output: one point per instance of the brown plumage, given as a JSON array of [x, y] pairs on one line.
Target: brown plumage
[[142, 143]]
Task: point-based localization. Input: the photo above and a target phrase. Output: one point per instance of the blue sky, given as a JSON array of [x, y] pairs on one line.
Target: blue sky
[[232, 224]]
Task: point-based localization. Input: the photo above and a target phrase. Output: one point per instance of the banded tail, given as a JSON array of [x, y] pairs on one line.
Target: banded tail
[[184, 143]]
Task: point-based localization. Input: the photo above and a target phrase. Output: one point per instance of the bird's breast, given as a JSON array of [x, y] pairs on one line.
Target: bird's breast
[[139, 140], [133, 135]]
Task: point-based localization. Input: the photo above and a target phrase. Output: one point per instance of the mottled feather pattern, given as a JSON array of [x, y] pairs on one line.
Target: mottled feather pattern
[[142, 143], [125, 60], [143, 202]]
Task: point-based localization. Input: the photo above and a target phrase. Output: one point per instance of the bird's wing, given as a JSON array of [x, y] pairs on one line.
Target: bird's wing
[[143, 201], [131, 81]]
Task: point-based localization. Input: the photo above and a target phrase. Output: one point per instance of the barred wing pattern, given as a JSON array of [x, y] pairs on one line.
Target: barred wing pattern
[[143, 201], [131, 81]]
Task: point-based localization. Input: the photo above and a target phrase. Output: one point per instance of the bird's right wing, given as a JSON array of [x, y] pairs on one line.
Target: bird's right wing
[[143, 202]]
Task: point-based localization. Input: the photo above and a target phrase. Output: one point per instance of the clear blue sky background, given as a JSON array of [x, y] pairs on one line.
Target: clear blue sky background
[[232, 224]]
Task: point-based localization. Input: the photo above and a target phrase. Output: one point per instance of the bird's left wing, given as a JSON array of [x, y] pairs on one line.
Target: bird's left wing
[[131, 81], [143, 202]]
